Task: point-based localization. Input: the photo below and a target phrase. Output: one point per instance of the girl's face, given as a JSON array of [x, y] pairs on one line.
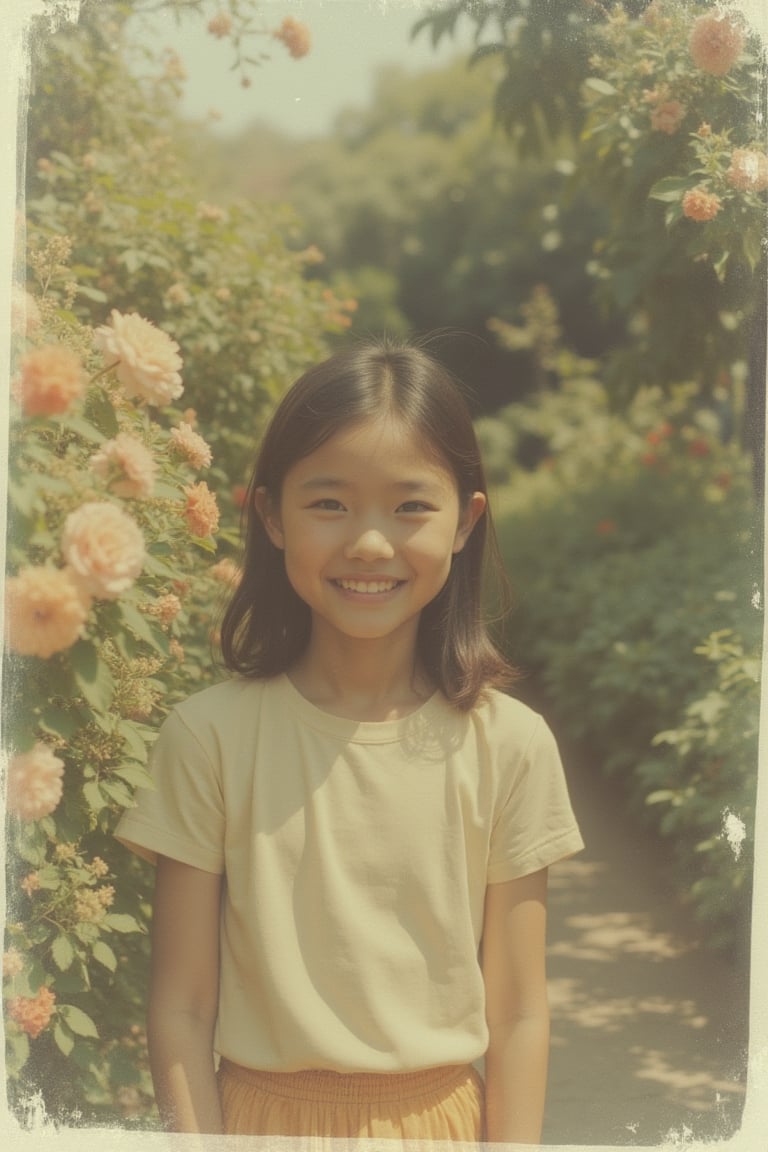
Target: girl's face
[[369, 524]]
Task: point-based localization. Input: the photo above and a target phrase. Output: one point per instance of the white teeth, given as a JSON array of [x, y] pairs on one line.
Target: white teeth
[[368, 586]]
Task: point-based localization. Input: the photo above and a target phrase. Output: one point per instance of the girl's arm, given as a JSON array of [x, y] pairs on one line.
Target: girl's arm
[[516, 1007], [183, 999]]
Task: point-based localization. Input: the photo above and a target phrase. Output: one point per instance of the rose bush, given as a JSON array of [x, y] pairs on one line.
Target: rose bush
[[98, 539], [140, 296]]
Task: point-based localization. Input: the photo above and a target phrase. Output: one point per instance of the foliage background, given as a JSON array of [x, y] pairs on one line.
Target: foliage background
[[615, 349]]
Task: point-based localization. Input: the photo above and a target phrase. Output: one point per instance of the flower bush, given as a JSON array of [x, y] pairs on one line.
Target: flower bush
[[630, 544], [140, 296], [673, 138], [98, 538]]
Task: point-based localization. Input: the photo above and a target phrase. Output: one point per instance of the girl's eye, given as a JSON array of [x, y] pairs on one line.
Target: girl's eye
[[415, 506], [328, 505]]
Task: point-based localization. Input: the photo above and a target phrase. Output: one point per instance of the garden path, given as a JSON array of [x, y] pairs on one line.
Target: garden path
[[649, 1029]]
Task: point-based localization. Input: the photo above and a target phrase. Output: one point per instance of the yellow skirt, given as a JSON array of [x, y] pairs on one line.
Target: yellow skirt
[[434, 1104]]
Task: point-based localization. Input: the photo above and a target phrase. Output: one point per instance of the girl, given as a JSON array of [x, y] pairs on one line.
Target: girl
[[352, 834]]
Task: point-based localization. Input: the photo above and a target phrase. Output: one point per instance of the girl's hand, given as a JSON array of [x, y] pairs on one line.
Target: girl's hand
[[514, 937], [183, 997]]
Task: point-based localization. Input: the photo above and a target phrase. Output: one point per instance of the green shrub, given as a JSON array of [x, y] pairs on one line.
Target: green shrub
[[635, 539]]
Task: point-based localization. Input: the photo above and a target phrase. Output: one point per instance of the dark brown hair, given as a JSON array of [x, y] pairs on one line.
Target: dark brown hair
[[266, 625]]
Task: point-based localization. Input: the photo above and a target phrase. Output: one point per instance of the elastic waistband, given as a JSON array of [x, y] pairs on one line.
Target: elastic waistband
[[357, 1087]]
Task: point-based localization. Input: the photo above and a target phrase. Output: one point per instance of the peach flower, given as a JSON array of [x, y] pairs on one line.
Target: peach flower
[[220, 25], [25, 314], [13, 963], [295, 36], [148, 359], [51, 379], [35, 782], [32, 1013], [700, 205], [177, 294], [105, 548], [201, 510], [715, 44], [45, 611], [165, 608], [126, 466], [226, 571], [191, 445], [176, 651], [91, 903], [30, 883], [748, 171], [667, 117]]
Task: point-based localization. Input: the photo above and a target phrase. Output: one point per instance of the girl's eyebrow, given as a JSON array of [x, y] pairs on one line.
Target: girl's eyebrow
[[323, 482], [425, 487]]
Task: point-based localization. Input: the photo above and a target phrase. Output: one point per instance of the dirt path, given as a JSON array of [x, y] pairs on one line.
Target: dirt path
[[649, 1030]]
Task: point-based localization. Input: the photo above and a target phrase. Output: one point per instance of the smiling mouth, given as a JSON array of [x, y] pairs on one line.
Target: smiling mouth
[[368, 587]]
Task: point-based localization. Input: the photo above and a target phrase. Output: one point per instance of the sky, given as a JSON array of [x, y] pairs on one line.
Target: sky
[[350, 40]]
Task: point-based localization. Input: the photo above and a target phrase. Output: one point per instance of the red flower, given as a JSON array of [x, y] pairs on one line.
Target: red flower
[[698, 448], [656, 435], [239, 494], [605, 527], [723, 480], [649, 459]]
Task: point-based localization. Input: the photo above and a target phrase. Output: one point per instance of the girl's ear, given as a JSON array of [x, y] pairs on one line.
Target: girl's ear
[[269, 516], [474, 508]]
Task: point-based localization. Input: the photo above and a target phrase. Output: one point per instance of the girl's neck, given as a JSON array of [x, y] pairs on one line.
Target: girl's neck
[[361, 681]]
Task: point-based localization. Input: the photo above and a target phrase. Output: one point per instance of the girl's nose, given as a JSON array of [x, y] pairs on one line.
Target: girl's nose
[[369, 545]]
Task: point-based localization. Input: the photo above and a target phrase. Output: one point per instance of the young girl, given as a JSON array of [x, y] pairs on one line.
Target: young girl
[[352, 834]]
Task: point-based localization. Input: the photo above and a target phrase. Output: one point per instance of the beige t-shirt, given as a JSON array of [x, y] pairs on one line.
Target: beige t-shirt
[[356, 858]]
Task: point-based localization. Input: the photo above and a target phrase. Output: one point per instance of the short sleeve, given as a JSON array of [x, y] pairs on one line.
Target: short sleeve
[[536, 826], [182, 815]]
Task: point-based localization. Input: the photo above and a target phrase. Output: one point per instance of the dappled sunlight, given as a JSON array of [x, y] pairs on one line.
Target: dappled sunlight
[[693, 1089], [604, 936]]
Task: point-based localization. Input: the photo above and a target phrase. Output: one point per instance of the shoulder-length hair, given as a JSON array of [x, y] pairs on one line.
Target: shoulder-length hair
[[266, 625]]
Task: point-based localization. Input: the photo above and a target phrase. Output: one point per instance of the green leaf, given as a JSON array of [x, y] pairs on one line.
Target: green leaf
[[94, 796], [134, 775], [100, 412], [121, 922], [63, 1038], [669, 189], [140, 625], [49, 877], [92, 676], [92, 294], [77, 1020], [595, 84], [135, 744], [85, 429], [63, 953], [118, 792], [17, 1052], [61, 721], [104, 955]]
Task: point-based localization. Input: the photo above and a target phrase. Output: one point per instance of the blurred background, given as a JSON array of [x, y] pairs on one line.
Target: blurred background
[[570, 199]]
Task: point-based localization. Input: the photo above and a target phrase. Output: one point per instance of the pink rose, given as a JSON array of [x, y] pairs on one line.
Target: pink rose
[[51, 379], [700, 205], [35, 782], [104, 547], [45, 611], [126, 465], [148, 360], [715, 44]]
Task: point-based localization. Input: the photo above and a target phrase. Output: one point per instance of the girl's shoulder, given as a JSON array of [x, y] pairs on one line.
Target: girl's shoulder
[[222, 705], [509, 723]]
